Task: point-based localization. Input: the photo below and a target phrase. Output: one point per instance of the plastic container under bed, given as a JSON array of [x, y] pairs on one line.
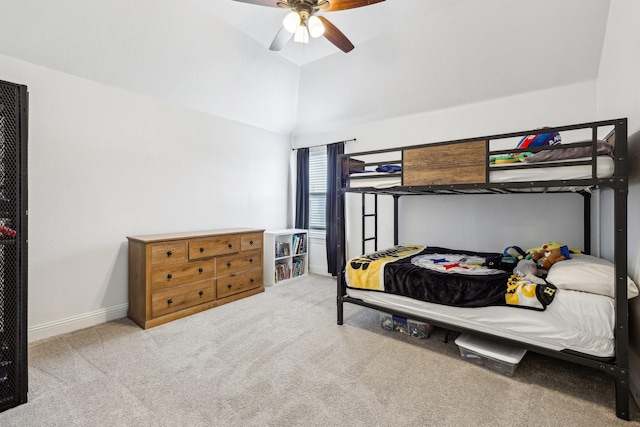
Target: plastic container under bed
[[410, 327], [499, 357]]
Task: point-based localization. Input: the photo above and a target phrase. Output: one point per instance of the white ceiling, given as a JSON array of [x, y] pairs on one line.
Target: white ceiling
[[410, 55], [358, 25]]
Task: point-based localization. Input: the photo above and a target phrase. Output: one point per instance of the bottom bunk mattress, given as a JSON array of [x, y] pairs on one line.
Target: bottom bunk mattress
[[455, 288], [577, 321]]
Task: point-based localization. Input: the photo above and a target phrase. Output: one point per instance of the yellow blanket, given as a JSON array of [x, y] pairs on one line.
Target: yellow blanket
[[366, 271]]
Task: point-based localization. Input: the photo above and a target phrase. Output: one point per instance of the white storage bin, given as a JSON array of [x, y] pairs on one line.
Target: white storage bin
[[499, 357]]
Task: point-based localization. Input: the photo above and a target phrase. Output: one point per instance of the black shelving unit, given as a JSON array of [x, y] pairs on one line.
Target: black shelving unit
[[13, 244]]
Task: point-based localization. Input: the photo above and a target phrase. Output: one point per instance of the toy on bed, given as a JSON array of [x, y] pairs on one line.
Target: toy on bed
[[540, 140], [510, 157], [548, 254], [535, 140], [507, 262], [526, 266]]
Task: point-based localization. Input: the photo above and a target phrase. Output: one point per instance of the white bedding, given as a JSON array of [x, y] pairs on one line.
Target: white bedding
[[501, 173], [575, 320]]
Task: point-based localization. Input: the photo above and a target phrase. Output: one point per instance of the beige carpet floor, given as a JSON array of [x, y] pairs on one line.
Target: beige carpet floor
[[280, 359]]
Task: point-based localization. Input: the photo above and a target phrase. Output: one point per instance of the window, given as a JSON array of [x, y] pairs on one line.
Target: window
[[317, 188]]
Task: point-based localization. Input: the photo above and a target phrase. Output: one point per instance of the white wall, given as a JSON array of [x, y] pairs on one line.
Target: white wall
[[619, 95], [460, 221], [105, 163]]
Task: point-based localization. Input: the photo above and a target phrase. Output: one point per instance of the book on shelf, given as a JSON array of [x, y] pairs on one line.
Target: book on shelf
[[282, 249], [283, 271], [298, 267], [299, 244]]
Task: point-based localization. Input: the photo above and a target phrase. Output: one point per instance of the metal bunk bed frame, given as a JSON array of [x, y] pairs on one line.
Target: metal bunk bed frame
[[616, 367]]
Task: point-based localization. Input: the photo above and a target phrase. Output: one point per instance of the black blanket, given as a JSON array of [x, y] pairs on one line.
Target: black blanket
[[402, 277]]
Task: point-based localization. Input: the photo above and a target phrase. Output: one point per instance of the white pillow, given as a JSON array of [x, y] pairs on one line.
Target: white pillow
[[587, 273]]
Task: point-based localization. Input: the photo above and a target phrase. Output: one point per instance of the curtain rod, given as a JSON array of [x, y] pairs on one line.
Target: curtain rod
[[319, 145]]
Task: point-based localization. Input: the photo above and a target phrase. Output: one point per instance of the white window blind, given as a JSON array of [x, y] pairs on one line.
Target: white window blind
[[317, 187]]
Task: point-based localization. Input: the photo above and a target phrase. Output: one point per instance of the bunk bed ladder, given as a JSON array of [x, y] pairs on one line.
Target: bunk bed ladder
[[365, 237]]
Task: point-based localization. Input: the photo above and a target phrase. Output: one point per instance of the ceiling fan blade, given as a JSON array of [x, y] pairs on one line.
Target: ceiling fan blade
[[335, 36], [280, 39], [348, 4], [269, 3]]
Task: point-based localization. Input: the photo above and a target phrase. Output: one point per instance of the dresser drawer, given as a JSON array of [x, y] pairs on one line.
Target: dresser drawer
[[239, 262], [175, 299], [211, 247], [251, 241], [237, 283], [168, 253], [175, 275]]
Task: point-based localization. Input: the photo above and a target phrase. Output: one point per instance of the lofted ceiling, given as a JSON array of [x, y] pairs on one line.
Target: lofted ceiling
[[410, 56]]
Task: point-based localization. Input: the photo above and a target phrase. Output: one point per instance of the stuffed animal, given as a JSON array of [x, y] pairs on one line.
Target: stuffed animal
[[547, 247], [548, 254], [526, 266], [509, 158]]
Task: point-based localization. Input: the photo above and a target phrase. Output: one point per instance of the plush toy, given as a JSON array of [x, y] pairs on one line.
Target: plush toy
[[545, 258], [547, 247], [509, 157], [526, 266]]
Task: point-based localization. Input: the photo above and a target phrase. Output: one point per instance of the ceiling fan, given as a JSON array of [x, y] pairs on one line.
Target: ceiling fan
[[303, 22]]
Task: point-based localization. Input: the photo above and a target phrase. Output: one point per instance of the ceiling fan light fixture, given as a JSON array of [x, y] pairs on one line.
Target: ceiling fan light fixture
[[316, 27], [291, 22], [301, 35]]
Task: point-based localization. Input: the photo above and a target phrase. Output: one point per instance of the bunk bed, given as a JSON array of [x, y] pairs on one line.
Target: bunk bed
[[591, 157]]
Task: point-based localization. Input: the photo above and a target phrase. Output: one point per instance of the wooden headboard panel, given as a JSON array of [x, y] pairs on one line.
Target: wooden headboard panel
[[441, 164]]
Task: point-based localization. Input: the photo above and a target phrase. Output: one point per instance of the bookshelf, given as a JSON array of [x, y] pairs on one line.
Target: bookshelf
[[285, 255]]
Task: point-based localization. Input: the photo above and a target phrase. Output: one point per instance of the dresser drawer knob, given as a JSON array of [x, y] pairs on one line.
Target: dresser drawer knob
[[229, 264], [250, 260], [251, 242], [201, 293], [230, 245], [251, 280], [169, 276], [229, 286], [169, 301], [201, 250], [200, 270], [169, 253]]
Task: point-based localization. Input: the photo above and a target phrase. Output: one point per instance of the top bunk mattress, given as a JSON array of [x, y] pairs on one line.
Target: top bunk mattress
[[503, 173]]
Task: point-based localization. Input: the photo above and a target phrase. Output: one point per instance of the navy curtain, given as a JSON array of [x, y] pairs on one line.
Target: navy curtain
[[302, 189], [333, 151]]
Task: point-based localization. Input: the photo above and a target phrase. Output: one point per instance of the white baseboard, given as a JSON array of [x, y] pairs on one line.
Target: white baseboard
[[319, 269], [74, 323]]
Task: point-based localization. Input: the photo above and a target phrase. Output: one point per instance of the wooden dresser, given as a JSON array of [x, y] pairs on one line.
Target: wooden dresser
[[178, 274]]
